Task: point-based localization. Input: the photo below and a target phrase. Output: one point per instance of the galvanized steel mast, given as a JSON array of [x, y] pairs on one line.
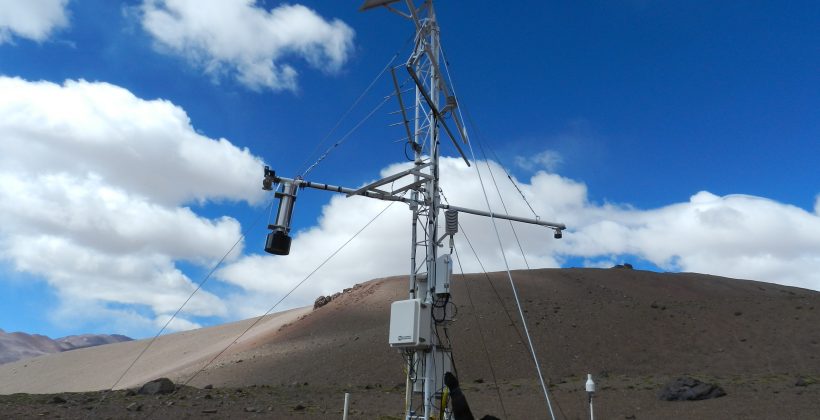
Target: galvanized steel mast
[[413, 324]]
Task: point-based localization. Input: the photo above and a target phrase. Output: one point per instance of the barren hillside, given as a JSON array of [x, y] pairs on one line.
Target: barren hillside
[[634, 330]]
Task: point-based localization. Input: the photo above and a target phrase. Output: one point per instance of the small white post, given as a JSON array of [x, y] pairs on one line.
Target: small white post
[[590, 386], [347, 405]]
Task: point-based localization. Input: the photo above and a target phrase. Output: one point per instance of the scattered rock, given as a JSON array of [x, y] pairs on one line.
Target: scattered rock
[[130, 393], [250, 409], [157, 386], [631, 416], [321, 301], [134, 407], [299, 407], [738, 313], [208, 397], [209, 386], [57, 400], [689, 389], [479, 381], [209, 411], [801, 381]]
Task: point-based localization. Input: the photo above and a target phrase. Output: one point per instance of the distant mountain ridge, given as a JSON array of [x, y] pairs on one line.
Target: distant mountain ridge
[[18, 345]]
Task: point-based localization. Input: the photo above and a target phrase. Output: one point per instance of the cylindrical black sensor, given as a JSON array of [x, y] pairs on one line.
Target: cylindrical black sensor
[[278, 243]]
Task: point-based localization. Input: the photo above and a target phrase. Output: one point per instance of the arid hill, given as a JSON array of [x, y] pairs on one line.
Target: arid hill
[[18, 345], [633, 330]]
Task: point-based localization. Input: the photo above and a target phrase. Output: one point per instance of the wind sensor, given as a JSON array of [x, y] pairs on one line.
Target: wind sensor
[[372, 4]]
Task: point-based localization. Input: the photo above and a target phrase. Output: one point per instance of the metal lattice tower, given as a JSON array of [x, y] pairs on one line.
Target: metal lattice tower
[[433, 116]]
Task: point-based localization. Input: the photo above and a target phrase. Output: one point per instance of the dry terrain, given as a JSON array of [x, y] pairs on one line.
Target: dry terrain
[[634, 330]]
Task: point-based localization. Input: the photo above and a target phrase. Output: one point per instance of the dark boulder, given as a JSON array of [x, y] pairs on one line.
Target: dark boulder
[[134, 407], [690, 389], [157, 386], [321, 301], [57, 400]]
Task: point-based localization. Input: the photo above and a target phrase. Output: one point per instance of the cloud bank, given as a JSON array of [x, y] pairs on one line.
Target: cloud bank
[[549, 160], [737, 236], [93, 186], [242, 40], [31, 19]]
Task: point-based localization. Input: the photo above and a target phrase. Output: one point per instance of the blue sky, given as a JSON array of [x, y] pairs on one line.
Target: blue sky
[[674, 136]]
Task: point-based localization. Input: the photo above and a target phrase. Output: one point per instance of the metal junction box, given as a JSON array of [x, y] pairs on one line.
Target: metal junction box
[[444, 271], [409, 324]]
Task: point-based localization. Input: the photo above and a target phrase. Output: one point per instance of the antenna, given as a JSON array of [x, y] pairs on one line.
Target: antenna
[[414, 323]]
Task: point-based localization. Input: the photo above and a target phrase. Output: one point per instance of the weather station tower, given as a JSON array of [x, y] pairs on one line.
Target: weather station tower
[[415, 323]]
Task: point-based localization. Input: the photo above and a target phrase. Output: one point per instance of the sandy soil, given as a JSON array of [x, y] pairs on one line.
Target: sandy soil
[[98, 368], [633, 330]]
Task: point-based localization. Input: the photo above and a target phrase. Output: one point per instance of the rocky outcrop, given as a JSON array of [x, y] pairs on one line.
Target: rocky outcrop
[[157, 386], [321, 301], [690, 389]]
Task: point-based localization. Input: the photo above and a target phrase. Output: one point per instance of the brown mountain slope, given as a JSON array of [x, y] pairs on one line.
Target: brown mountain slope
[[582, 320], [637, 329], [634, 330]]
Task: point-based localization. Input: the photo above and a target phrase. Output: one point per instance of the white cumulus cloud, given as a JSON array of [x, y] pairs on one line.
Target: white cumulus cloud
[[93, 190], [243, 40], [736, 235], [817, 205], [95, 185], [549, 160], [31, 19]]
